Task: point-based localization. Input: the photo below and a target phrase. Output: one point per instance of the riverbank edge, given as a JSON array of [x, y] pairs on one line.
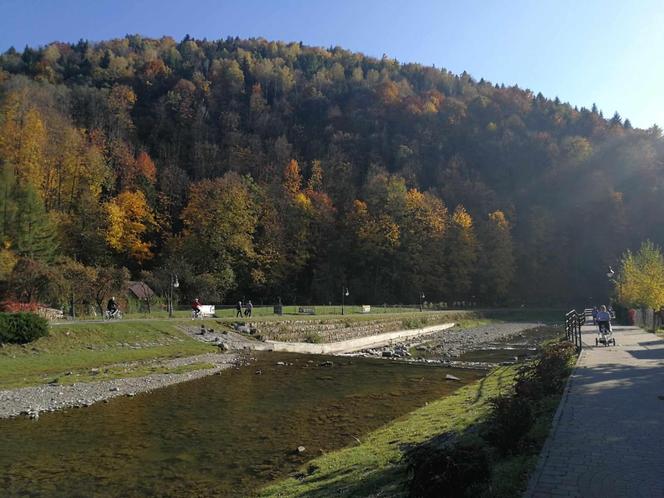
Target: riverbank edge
[[31, 401], [377, 467], [537, 472], [374, 467]]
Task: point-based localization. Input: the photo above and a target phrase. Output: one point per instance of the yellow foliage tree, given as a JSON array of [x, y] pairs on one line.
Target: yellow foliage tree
[[292, 178], [130, 218], [22, 138], [461, 248], [641, 279]]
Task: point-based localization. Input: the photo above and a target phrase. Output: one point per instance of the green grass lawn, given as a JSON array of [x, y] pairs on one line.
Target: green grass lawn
[[374, 467], [289, 312], [78, 347], [353, 313]]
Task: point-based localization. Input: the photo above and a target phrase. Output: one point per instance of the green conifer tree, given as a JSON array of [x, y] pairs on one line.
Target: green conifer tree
[[34, 233]]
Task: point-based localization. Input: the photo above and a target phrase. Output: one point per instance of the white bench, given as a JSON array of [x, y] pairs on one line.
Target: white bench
[[366, 308], [206, 310]]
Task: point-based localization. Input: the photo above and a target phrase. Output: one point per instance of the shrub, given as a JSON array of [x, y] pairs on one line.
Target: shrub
[[21, 328], [511, 418], [547, 375], [313, 338], [453, 471], [414, 323], [16, 306]]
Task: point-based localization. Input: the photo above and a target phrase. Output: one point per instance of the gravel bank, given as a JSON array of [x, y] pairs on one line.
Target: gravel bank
[[452, 343], [449, 344], [32, 400]]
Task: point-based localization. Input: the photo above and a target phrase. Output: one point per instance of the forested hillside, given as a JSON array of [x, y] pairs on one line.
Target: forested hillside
[[260, 169]]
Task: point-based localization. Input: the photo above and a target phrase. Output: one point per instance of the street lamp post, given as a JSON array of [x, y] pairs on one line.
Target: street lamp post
[[174, 285], [421, 299], [344, 293], [610, 274]]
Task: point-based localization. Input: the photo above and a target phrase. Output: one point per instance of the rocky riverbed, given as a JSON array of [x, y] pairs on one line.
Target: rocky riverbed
[[442, 347], [31, 401], [447, 346]]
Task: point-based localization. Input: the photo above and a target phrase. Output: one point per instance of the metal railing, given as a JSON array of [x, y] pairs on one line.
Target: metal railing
[[573, 323]]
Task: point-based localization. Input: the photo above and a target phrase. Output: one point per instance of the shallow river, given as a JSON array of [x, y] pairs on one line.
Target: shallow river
[[223, 435]]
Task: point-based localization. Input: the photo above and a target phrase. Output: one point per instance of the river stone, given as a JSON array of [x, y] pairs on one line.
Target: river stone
[[301, 449]]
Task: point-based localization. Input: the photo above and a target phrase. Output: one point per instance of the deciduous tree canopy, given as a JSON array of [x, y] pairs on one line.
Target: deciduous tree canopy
[[270, 169]]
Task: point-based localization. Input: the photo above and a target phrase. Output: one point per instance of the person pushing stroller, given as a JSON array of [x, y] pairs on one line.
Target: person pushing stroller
[[604, 327]]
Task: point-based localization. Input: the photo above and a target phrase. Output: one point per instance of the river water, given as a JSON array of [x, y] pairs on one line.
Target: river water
[[223, 435]]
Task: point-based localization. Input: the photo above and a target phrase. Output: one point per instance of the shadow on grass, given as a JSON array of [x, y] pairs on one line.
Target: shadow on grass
[[375, 483]]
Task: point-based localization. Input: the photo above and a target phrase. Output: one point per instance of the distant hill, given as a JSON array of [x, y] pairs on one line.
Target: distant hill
[[259, 169]]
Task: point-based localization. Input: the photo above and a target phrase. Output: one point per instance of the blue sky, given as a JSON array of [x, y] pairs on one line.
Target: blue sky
[[584, 51]]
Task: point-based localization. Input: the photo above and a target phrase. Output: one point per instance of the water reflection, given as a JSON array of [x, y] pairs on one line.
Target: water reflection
[[218, 436]]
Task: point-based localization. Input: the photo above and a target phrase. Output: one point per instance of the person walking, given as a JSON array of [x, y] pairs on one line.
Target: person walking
[[603, 318], [249, 308], [238, 309]]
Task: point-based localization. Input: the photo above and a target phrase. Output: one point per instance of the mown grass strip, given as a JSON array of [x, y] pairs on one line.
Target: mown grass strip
[[79, 347]]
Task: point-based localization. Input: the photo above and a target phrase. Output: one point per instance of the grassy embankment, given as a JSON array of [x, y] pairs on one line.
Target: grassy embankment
[[118, 349], [376, 466]]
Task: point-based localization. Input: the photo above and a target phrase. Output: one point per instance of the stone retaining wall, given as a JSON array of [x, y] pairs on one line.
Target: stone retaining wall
[[335, 330]]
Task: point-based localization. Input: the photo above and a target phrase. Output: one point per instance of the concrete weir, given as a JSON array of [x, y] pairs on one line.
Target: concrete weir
[[348, 346]]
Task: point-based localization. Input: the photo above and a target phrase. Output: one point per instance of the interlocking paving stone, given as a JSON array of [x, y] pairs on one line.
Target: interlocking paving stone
[[608, 435]]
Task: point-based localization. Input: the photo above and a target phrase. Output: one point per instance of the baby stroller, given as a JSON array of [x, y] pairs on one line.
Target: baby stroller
[[604, 334]]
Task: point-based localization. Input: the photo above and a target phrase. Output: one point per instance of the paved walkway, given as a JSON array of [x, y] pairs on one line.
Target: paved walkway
[[608, 434]]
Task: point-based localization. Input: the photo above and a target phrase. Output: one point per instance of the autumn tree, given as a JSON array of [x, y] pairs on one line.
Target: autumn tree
[[423, 229], [219, 223], [640, 282], [461, 255], [107, 281], [23, 138], [130, 221], [495, 265], [87, 126], [31, 281]]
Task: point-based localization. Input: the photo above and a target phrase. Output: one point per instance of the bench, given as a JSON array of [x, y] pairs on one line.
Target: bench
[[366, 308], [206, 310], [306, 310]]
